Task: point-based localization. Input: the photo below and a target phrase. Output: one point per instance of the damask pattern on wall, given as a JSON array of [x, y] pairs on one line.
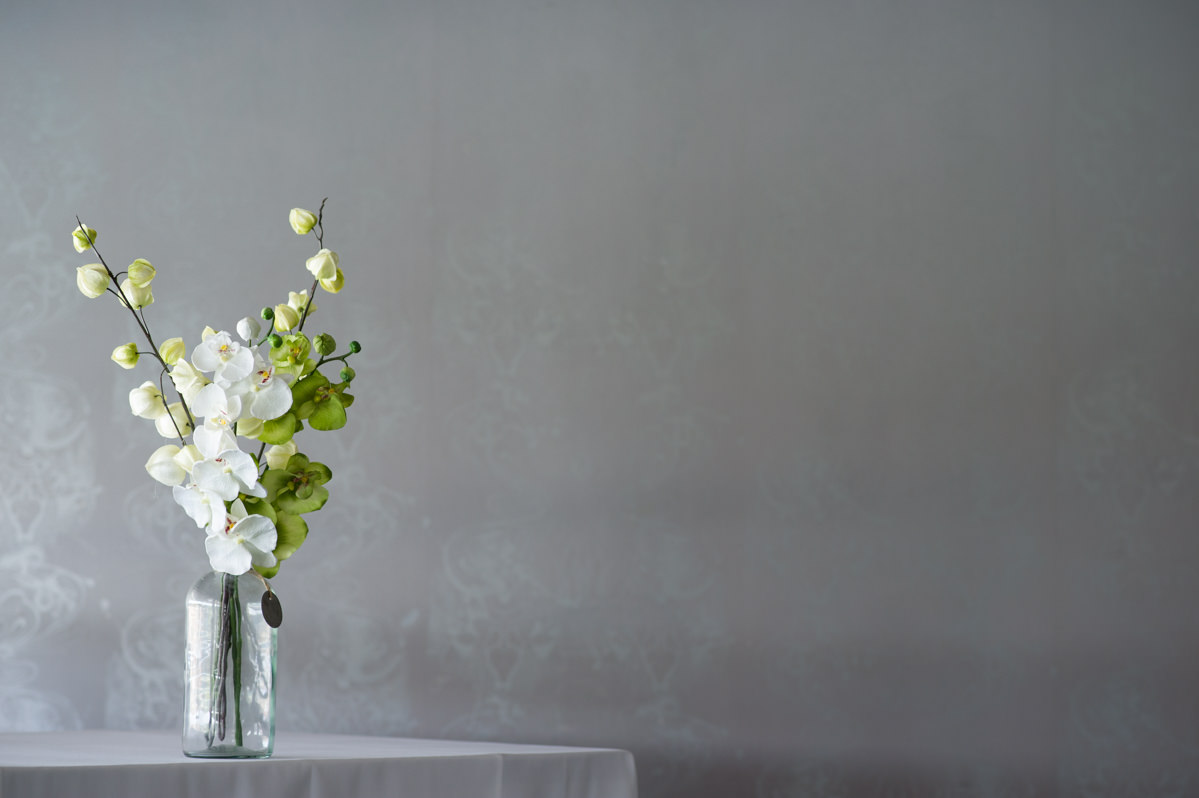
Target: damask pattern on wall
[[800, 396]]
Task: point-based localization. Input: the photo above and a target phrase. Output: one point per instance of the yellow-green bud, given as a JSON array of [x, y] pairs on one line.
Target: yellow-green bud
[[335, 284], [171, 350], [323, 265], [84, 237], [278, 455], [286, 317], [347, 374], [92, 279], [138, 296], [302, 221], [324, 344], [125, 356], [141, 272]]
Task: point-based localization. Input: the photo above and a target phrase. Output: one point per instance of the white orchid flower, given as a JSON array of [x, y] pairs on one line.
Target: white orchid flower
[[230, 473], [244, 541], [267, 393], [202, 506], [220, 412], [226, 359], [146, 401]]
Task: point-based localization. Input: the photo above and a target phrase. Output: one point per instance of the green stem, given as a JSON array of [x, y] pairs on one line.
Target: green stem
[[236, 652]]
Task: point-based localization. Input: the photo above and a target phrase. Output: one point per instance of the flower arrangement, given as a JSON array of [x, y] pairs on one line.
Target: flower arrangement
[[257, 387]]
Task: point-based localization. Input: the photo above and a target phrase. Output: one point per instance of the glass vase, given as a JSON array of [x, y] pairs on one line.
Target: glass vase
[[229, 679]]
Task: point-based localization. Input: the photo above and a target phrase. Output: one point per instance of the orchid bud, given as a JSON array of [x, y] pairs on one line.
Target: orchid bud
[[347, 374], [302, 221], [171, 350], [92, 279], [188, 456], [277, 456], [188, 379], [141, 273], [355, 347], [335, 284], [84, 237], [146, 401], [323, 265], [324, 344], [136, 296], [163, 466], [125, 356], [249, 427], [268, 313], [249, 329], [286, 317], [299, 301], [178, 416]]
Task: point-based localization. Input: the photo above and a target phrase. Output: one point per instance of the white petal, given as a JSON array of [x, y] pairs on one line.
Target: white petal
[[209, 401], [257, 531], [210, 475], [196, 504], [224, 554], [272, 401]]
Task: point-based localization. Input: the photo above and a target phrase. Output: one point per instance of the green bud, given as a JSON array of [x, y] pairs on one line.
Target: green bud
[[84, 237], [141, 273], [267, 314], [125, 356], [275, 338], [324, 344], [355, 347], [347, 374]]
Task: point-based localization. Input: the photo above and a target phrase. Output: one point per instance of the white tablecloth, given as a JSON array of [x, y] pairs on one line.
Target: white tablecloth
[[143, 764]]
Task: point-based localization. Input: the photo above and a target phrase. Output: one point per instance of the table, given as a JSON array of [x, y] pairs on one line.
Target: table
[[137, 764]]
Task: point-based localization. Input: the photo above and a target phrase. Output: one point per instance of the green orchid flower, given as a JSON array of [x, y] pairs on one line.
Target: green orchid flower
[[291, 356], [321, 403], [298, 488]]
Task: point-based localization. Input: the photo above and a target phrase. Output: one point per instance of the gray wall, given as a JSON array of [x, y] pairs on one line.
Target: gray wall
[[801, 395]]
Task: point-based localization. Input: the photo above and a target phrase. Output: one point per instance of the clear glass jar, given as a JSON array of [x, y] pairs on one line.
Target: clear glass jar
[[229, 680]]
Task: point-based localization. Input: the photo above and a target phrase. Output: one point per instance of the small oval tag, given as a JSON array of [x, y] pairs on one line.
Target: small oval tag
[[272, 610]]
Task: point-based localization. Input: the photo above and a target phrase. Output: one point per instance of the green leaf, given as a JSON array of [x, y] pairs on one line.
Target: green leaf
[[293, 530]]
